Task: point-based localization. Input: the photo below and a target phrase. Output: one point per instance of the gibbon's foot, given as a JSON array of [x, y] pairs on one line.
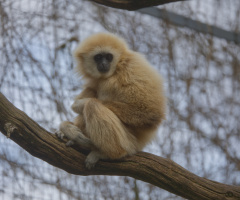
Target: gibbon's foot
[[61, 135], [70, 143], [91, 160], [74, 135]]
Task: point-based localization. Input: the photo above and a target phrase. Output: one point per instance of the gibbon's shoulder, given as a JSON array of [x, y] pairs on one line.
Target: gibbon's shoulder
[[139, 65]]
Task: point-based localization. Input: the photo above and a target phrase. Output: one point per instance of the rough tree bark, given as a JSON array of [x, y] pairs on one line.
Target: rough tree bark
[[156, 170], [133, 4]]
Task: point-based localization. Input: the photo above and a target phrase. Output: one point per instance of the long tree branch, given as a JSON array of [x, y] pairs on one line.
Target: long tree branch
[[158, 171], [133, 4]]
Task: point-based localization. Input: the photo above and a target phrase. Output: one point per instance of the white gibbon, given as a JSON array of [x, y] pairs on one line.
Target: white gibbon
[[122, 103]]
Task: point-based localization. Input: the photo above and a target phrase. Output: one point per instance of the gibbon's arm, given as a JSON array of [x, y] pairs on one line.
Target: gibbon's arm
[[82, 98], [87, 93], [135, 115]]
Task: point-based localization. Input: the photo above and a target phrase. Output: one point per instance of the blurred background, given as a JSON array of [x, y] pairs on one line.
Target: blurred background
[[202, 82]]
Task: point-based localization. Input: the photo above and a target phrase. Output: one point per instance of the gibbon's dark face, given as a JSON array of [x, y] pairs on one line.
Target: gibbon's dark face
[[103, 61]]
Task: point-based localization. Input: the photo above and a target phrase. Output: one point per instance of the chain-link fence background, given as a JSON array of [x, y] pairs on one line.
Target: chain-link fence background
[[202, 82]]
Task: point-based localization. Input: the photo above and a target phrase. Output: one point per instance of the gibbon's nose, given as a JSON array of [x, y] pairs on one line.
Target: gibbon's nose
[[104, 66]]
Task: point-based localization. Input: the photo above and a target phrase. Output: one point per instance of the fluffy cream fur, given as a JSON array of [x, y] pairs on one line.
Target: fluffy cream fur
[[119, 111]]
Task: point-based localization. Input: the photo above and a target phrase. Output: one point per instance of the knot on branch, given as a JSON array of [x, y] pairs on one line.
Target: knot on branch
[[9, 128], [229, 194]]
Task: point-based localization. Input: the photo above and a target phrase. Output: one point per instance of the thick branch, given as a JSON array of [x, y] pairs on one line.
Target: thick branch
[[158, 171], [133, 4]]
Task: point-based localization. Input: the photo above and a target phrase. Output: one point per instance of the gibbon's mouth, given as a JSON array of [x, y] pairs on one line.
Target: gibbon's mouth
[[103, 67]]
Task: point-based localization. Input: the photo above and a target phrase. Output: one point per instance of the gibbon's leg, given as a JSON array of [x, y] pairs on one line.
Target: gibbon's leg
[[74, 134], [110, 137]]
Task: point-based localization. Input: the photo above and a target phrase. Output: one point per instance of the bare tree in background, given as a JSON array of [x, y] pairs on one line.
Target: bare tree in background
[[202, 75]]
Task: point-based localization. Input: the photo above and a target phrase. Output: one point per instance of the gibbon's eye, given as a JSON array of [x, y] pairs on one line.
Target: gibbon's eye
[[98, 57], [109, 57]]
